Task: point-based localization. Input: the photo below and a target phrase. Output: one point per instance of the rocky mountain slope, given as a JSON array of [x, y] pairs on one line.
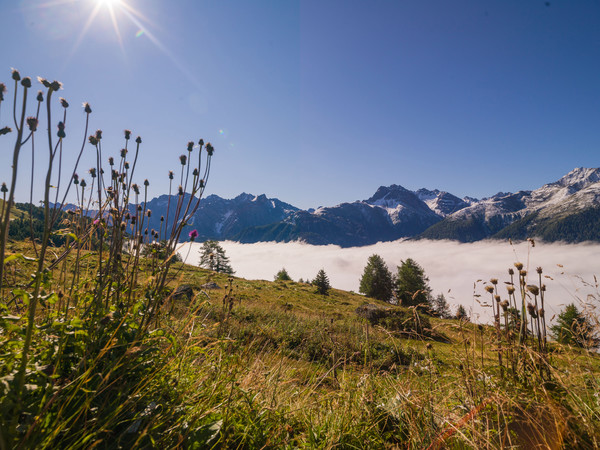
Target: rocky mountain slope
[[568, 209]]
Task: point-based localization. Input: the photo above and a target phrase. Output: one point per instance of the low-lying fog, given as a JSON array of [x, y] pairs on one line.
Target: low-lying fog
[[454, 269]]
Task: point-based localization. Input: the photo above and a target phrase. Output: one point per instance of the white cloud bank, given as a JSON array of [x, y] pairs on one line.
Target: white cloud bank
[[453, 268]]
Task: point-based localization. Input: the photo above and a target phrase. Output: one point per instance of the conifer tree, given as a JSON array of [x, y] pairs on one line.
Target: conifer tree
[[282, 275], [376, 281], [321, 282], [212, 257], [412, 288]]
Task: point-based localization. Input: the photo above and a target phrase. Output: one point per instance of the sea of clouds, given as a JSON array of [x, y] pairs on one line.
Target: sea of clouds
[[457, 270]]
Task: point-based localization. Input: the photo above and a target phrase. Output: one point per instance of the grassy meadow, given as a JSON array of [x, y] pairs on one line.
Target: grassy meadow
[[107, 341]]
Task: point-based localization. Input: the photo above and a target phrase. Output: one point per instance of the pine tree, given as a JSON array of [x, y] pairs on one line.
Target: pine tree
[[282, 275], [461, 313], [573, 328], [376, 281], [212, 257], [412, 288], [321, 282], [440, 307]]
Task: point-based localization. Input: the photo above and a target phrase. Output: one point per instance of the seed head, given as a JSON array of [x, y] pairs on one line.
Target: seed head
[[489, 289], [519, 266], [510, 289], [180, 190], [133, 219], [114, 174], [523, 273], [87, 108], [494, 281], [92, 140], [201, 183], [99, 134], [2, 91], [32, 123], [40, 96], [75, 178], [170, 174], [183, 159], [56, 85], [162, 218], [93, 171], [16, 75], [201, 143], [497, 298], [123, 226], [539, 270], [63, 103], [111, 161], [146, 182], [209, 149], [127, 134], [61, 130], [123, 152], [126, 165], [504, 305], [149, 213], [195, 172], [43, 81], [139, 208], [3, 188], [531, 310], [138, 140], [26, 82], [511, 271], [83, 183], [533, 289], [190, 146], [5, 130], [543, 288], [135, 188]]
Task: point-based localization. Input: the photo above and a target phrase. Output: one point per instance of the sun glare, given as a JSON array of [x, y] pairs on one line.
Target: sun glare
[[109, 3]]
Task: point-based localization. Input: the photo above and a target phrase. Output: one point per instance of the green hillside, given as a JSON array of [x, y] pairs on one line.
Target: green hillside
[[236, 363]]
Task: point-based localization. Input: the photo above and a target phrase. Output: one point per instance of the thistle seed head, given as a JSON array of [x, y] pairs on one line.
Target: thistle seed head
[[533, 289], [146, 182], [497, 298], [138, 140], [190, 146], [5, 130], [180, 190], [93, 171], [99, 134], [523, 273], [26, 82], [123, 152], [489, 289], [511, 271], [170, 174], [494, 281], [519, 266], [127, 134], [510, 289], [56, 85], [135, 188], [3, 188], [111, 161], [15, 74], [87, 108], [126, 165], [32, 123], [43, 81], [83, 183], [63, 102], [2, 91], [183, 159], [539, 270], [92, 140], [209, 149]]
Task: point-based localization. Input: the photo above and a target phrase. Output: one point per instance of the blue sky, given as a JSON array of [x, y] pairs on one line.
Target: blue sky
[[320, 102]]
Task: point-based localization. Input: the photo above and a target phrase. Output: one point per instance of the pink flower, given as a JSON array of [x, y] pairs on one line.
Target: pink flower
[[193, 235], [96, 222]]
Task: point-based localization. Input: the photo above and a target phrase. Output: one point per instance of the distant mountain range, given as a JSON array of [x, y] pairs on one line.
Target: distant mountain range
[[566, 210]]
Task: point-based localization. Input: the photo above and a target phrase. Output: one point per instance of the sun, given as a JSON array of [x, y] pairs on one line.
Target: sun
[[109, 3]]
